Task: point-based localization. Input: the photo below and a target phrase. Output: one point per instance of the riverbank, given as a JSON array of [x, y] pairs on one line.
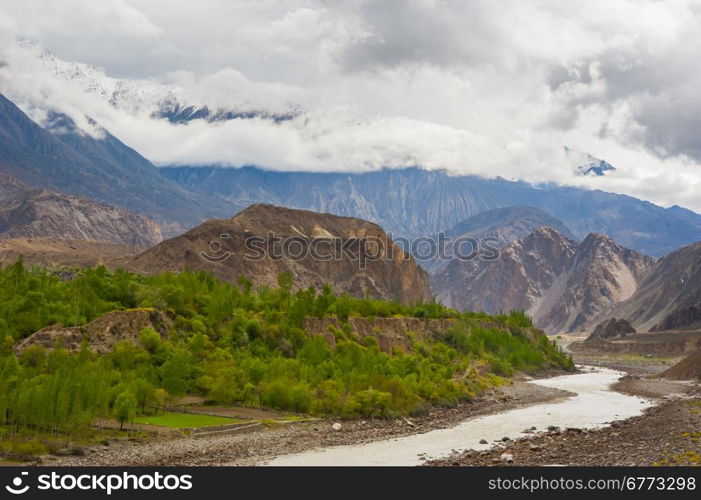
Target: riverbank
[[263, 445], [666, 434], [592, 405]]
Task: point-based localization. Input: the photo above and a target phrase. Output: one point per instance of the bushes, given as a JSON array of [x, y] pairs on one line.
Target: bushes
[[236, 345], [506, 351]]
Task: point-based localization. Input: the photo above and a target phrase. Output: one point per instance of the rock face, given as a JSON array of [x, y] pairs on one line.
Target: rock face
[[564, 286], [9, 187], [101, 334], [521, 274], [670, 296], [45, 214], [351, 255], [685, 317], [611, 329], [501, 226], [602, 275]]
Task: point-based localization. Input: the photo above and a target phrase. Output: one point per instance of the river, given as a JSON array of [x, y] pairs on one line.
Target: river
[[593, 405]]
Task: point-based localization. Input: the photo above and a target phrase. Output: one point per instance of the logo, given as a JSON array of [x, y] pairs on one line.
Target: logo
[[217, 253], [16, 488]]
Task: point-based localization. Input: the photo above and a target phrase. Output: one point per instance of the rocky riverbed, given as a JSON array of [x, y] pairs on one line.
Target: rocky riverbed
[[667, 434]]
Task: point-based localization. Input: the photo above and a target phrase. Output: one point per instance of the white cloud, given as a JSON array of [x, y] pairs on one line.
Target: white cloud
[[483, 87]]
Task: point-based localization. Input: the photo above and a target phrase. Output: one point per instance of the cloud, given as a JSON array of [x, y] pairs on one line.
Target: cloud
[[486, 87]]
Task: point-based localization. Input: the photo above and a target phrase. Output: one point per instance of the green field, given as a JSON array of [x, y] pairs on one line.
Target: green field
[[185, 420]]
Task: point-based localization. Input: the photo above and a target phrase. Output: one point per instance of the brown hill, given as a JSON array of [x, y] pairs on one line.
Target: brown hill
[[9, 187], [563, 285], [688, 368], [351, 255], [26, 213]]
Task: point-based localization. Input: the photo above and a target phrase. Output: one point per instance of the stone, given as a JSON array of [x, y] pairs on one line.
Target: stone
[[507, 458], [336, 426]]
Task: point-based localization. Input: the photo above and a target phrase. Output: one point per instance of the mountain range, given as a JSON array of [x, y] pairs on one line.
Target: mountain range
[[565, 286], [142, 96], [490, 229], [64, 159], [414, 202], [59, 181], [407, 202]]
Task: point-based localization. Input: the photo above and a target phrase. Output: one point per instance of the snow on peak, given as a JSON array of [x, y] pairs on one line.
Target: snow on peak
[[585, 164], [133, 96]]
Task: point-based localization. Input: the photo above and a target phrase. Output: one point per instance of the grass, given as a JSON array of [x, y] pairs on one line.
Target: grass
[[185, 420]]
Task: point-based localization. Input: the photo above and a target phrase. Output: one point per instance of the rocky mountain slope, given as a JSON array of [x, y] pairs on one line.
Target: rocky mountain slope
[[316, 248], [563, 285], [493, 228], [66, 160], [10, 187], [524, 270], [670, 296], [26, 213], [415, 202], [602, 275]]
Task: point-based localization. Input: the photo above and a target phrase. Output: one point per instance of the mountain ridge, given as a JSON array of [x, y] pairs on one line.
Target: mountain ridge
[[413, 202], [106, 170], [563, 285]]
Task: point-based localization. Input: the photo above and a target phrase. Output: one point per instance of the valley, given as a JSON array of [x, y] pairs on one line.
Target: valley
[[548, 421], [214, 314]]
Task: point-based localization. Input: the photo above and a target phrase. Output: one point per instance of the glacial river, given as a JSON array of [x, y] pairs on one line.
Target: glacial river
[[593, 405]]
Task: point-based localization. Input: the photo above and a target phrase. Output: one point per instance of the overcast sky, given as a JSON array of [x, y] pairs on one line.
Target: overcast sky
[[486, 87]]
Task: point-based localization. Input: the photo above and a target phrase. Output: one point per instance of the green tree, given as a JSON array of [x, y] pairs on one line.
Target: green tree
[[125, 408]]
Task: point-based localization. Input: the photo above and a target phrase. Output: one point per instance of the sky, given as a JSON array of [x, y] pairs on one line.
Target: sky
[[486, 87]]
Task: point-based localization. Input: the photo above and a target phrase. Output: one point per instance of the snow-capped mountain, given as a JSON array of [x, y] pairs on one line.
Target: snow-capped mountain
[[141, 96], [585, 164]]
